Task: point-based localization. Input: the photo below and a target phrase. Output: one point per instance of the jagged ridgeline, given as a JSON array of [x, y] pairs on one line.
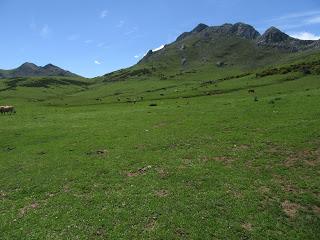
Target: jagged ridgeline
[[238, 45]]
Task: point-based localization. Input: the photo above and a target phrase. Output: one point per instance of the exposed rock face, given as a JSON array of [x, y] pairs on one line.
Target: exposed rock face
[[196, 30], [273, 35], [199, 28], [182, 47], [316, 44], [244, 30], [239, 29], [183, 61], [32, 70]]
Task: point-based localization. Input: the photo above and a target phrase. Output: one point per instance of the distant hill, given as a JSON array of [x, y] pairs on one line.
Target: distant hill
[[237, 45], [32, 70]]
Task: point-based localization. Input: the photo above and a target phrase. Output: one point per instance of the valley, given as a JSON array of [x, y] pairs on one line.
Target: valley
[[211, 137]]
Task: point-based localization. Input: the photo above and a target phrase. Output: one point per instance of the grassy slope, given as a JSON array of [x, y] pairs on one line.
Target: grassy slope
[[214, 164]]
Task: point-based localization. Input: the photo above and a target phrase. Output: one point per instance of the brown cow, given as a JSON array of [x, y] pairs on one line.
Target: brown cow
[[7, 109]]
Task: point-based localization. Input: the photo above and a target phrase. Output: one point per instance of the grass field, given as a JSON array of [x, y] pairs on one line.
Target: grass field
[[207, 161]]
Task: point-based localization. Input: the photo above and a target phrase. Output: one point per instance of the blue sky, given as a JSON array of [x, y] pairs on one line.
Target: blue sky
[[93, 37]]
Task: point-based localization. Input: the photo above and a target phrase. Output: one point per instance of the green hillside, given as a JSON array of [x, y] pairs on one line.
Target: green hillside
[[226, 148]]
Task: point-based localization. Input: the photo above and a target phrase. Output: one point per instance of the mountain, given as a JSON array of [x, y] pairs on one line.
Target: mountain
[[32, 70], [239, 29], [273, 37], [237, 45]]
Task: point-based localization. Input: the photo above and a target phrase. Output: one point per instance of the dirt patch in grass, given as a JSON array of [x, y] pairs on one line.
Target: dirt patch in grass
[[3, 195], [264, 190], [139, 172], [247, 226], [162, 193], [289, 188], [233, 191], [50, 195], [309, 157], [221, 159], [290, 209], [286, 185], [241, 147], [151, 224], [66, 188], [161, 125], [187, 161], [162, 173], [100, 232], [275, 149], [181, 233], [141, 147], [100, 153], [28, 208], [316, 210]]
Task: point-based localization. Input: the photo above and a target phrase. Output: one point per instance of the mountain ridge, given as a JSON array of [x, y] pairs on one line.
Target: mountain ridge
[[228, 42], [28, 69]]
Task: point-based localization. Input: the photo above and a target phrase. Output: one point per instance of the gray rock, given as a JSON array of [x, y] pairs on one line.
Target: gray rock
[[182, 47], [220, 64]]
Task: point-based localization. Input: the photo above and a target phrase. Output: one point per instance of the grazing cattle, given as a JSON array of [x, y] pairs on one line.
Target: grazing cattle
[[251, 91], [7, 109]]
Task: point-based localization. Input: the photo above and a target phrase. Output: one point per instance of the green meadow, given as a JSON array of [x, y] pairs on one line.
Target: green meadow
[[172, 155]]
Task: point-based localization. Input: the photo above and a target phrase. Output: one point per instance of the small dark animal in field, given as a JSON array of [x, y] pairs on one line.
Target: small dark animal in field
[[251, 91], [7, 109], [10, 148], [153, 105]]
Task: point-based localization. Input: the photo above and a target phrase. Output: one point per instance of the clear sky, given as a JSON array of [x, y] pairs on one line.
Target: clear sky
[[93, 37]]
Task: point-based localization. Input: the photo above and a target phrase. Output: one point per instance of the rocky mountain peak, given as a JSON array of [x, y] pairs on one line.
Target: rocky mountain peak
[[28, 65], [196, 30], [273, 35], [199, 28], [50, 66], [206, 42], [245, 31], [239, 29]]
